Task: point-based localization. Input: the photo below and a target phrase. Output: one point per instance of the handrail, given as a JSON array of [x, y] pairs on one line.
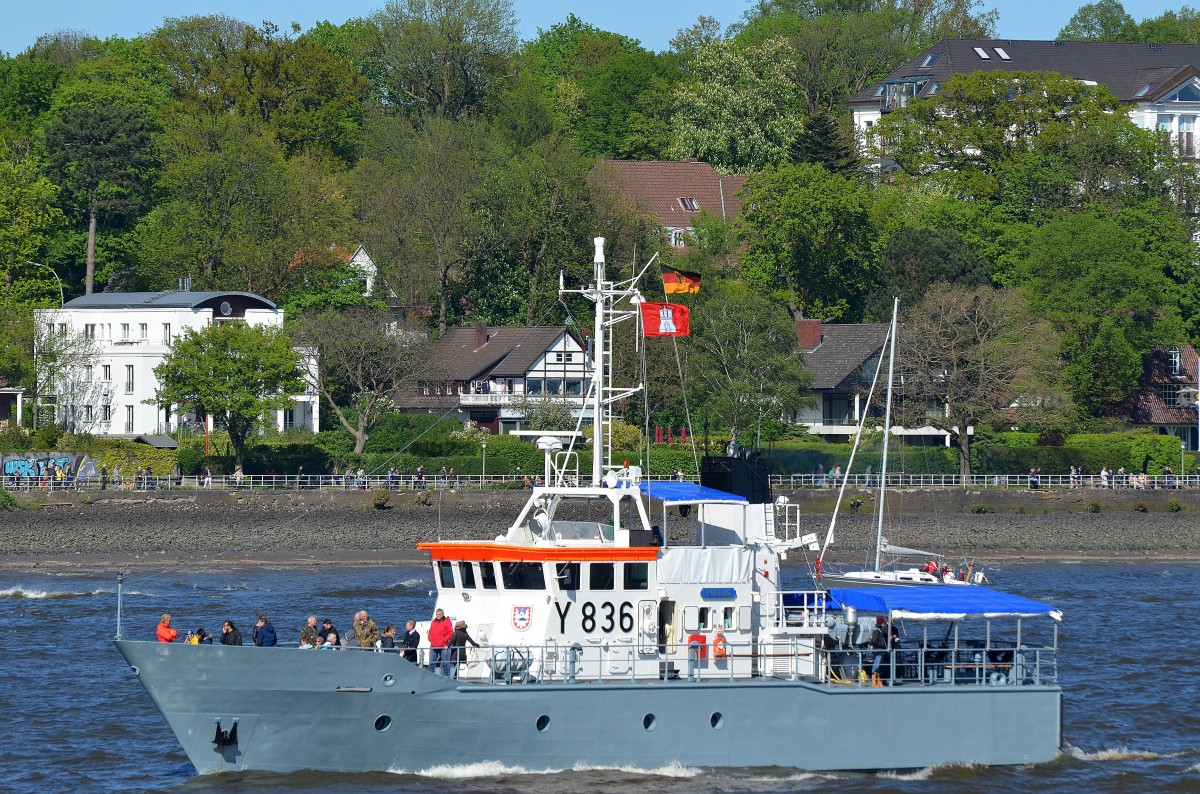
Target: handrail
[[432, 482]]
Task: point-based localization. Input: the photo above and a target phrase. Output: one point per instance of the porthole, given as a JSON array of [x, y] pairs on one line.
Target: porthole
[[543, 723], [389, 680], [383, 722], [648, 722], [717, 720]]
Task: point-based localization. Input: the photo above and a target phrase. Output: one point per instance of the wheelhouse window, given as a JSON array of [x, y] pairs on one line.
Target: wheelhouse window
[[487, 575], [446, 574], [523, 576], [601, 576], [568, 575], [467, 573], [637, 576]]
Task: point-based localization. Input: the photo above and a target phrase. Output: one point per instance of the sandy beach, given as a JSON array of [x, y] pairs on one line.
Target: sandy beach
[[311, 528]]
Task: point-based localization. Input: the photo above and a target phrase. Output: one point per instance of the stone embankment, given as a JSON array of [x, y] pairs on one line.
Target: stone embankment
[[309, 527]]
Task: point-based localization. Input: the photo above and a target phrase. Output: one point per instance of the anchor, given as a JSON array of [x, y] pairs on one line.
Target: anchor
[[226, 738]]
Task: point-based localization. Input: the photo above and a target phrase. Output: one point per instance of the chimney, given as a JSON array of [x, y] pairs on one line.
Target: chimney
[[481, 334], [808, 334]]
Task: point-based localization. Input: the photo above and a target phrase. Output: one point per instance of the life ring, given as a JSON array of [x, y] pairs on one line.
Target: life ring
[[720, 649]]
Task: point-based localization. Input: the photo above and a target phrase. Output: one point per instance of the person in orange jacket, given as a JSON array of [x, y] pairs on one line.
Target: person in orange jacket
[[165, 632]]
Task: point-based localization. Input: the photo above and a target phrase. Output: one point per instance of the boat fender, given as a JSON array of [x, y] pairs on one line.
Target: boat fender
[[719, 647], [702, 645]]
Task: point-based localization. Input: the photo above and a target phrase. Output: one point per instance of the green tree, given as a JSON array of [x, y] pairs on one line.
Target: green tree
[[1103, 20], [823, 143], [916, 259], [235, 373], [441, 58], [979, 355], [809, 238], [745, 367], [361, 361], [1108, 298], [27, 204], [981, 121], [101, 155], [737, 110]]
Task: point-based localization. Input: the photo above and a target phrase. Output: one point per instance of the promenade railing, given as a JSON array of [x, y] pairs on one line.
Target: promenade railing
[[475, 482]]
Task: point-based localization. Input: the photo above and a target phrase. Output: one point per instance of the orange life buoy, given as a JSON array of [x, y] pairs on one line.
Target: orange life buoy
[[720, 649]]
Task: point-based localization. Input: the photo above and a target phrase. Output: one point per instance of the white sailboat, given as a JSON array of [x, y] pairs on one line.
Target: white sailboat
[[893, 565]]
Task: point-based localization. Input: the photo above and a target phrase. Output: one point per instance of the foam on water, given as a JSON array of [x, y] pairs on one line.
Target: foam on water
[[1117, 754], [17, 593], [484, 769]]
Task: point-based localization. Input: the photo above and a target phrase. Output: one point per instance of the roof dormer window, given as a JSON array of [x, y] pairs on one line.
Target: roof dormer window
[[930, 60], [1174, 360]]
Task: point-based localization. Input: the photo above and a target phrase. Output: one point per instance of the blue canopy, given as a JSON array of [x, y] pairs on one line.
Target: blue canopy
[[946, 602], [686, 493]]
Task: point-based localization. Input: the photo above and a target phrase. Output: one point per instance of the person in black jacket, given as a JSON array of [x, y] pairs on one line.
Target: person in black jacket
[[458, 645], [387, 640], [412, 640], [230, 635]]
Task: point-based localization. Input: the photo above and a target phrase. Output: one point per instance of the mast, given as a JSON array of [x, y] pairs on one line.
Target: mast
[[887, 433], [599, 359]]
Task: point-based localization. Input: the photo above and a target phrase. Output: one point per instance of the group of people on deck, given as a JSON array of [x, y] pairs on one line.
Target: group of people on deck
[[448, 640]]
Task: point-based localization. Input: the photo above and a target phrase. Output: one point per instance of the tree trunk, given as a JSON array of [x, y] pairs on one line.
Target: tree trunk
[[90, 286], [964, 451]]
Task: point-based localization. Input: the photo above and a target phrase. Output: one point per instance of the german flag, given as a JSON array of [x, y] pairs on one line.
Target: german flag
[[679, 282]]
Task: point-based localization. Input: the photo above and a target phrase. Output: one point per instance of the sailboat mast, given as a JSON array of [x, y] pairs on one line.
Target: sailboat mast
[[599, 360], [887, 434]]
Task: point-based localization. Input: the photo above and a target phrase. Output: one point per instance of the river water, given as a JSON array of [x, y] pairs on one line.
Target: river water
[[77, 719]]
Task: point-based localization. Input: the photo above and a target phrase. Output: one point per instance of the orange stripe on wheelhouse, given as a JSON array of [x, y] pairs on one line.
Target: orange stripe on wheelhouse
[[503, 552]]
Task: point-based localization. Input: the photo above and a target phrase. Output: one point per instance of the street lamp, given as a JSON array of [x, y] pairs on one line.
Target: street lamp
[[483, 477], [62, 301]]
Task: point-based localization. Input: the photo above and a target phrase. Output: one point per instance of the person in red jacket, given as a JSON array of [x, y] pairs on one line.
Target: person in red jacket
[[165, 632], [441, 629]]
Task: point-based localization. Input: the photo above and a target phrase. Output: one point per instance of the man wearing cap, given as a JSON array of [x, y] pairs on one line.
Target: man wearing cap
[[440, 632], [458, 644], [327, 629]]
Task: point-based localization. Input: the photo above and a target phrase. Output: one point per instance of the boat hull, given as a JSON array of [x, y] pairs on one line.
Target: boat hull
[[337, 711]]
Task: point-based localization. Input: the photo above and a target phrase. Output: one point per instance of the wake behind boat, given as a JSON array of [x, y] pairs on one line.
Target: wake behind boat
[[601, 644]]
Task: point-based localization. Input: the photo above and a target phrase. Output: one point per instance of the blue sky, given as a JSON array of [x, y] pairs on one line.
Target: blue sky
[[653, 22]]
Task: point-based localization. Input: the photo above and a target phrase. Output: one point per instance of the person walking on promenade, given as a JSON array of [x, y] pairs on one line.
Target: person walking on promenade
[[441, 630], [164, 632], [207, 478], [264, 633]]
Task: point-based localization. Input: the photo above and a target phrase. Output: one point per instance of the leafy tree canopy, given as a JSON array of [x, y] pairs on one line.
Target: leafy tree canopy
[[237, 373]]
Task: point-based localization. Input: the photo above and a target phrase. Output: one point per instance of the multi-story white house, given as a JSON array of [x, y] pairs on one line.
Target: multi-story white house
[[113, 342], [1158, 84], [489, 375]]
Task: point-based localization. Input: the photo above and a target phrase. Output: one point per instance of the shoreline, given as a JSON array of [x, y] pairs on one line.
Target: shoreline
[[208, 530], [124, 562]]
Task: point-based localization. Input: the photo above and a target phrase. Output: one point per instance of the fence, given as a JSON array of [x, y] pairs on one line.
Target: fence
[[475, 482]]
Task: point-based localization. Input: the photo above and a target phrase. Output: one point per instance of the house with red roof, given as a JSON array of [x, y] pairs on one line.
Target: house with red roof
[[675, 192]]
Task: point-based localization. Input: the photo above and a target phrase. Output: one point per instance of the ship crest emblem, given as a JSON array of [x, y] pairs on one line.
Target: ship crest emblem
[[522, 617]]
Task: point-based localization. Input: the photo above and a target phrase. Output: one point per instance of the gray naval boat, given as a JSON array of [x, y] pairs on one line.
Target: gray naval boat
[[602, 644]]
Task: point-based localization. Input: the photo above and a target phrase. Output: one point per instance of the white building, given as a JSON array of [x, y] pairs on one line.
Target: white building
[[115, 340], [1158, 84]]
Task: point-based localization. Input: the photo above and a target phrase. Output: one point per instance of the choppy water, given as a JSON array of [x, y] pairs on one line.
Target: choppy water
[[76, 719]]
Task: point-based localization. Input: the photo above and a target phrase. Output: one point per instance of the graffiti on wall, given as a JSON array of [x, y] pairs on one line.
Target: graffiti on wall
[[35, 464]]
